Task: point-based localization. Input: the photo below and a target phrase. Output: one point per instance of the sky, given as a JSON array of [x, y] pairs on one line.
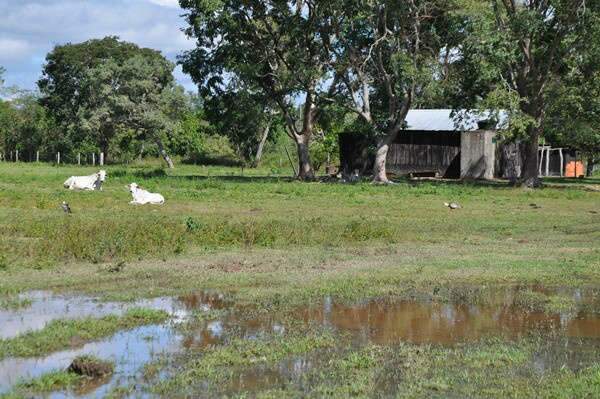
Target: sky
[[29, 29]]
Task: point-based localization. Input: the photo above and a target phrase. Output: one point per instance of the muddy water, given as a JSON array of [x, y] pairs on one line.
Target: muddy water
[[439, 323]]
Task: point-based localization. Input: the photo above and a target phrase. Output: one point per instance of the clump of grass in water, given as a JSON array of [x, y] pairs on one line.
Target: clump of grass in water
[[537, 301], [61, 334], [14, 302], [91, 366], [82, 368], [53, 381], [217, 362]]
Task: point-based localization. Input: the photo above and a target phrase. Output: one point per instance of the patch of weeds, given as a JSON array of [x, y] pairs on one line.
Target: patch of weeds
[[210, 183], [52, 381], [91, 366], [14, 302], [147, 174], [218, 362], [585, 384], [537, 301], [63, 334], [118, 173], [116, 267], [3, 262], [192, 224]]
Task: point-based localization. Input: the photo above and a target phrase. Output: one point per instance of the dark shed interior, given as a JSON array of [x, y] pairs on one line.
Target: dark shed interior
[[414, 152]]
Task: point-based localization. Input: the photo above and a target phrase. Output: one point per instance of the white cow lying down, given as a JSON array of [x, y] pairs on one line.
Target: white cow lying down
[[142, 197], [91, 182]]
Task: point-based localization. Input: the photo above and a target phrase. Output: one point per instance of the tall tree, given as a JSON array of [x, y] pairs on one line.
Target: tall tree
[[245, 116], [516, 48], [277, 46], [100, 86], [386, 54], [574, 99]]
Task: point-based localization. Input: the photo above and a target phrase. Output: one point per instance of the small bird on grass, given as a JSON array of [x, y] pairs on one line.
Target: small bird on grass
[[452, 205], [65, 207]]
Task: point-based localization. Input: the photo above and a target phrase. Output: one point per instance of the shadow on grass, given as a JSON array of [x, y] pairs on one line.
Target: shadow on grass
[[572, 180]]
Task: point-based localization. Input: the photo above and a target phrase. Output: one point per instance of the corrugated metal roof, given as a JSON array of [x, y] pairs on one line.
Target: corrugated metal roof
[[448, 120]]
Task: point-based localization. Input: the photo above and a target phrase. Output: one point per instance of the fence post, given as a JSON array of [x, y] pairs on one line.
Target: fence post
[[16, 155], [101, 159], [37, 156], [58, 158], [94, 158], [79, 158]]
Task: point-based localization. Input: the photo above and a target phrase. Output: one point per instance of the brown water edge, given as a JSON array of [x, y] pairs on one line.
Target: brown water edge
[[571, 337], [504, 313]]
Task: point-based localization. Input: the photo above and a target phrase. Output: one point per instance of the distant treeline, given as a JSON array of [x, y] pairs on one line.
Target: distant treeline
[[309, 70]]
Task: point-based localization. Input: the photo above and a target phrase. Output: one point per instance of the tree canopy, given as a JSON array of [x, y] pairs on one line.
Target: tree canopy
[[99, 88]]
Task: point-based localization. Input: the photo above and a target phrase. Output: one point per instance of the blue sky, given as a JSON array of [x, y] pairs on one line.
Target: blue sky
[[29, 29]]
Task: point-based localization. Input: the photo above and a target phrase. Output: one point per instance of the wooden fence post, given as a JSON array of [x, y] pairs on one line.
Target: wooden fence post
[[79, 158], [94, 158], [58, 158], [101, 159], [37, 156], [16, 155]]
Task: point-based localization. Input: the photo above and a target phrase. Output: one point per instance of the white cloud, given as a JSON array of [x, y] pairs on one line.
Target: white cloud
[[13, 49], [166, 3], [29, 29]]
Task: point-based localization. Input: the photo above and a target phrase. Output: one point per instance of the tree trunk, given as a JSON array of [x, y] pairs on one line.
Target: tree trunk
[[104, 149], [589, 169], [305, 169], [383, 145], [163, 153], [530, 171], [261, 145]]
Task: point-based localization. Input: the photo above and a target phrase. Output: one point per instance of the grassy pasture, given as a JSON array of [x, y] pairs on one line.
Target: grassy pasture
[[276, 244]]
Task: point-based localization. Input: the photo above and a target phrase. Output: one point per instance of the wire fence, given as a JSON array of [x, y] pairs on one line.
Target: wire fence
[[57, 158]]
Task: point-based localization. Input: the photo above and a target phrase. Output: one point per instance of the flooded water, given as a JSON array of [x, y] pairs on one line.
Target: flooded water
[[130, 350], [439, 323], [46, 306], [379, 322]]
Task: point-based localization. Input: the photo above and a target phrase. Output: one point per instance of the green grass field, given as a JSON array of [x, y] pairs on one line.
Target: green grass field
[[271, 244]]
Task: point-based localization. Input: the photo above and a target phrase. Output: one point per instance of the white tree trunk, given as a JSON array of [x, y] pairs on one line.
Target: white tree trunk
[[261, 144], [164, 154]]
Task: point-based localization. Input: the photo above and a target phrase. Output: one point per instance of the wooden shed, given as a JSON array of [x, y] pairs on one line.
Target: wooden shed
[[435, 142]]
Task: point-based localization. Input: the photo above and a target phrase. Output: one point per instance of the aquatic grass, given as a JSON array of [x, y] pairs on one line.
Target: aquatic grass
[[13, 302], [217, 362], [63, 334], [49, 382]]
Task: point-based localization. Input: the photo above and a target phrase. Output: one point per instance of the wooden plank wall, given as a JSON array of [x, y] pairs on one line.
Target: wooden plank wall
[[416, 151]]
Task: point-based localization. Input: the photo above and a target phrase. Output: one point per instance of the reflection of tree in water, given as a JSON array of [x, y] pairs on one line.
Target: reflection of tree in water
[[416, 322]]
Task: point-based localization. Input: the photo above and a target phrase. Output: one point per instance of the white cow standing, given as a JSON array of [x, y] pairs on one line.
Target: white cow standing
[[142, 197], [91, 182]]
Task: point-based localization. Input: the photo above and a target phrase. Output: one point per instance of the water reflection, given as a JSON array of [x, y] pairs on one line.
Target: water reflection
[[377, 321]]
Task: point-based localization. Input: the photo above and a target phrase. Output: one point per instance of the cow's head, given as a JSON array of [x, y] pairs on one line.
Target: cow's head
[[132, 187], [102, 175]]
